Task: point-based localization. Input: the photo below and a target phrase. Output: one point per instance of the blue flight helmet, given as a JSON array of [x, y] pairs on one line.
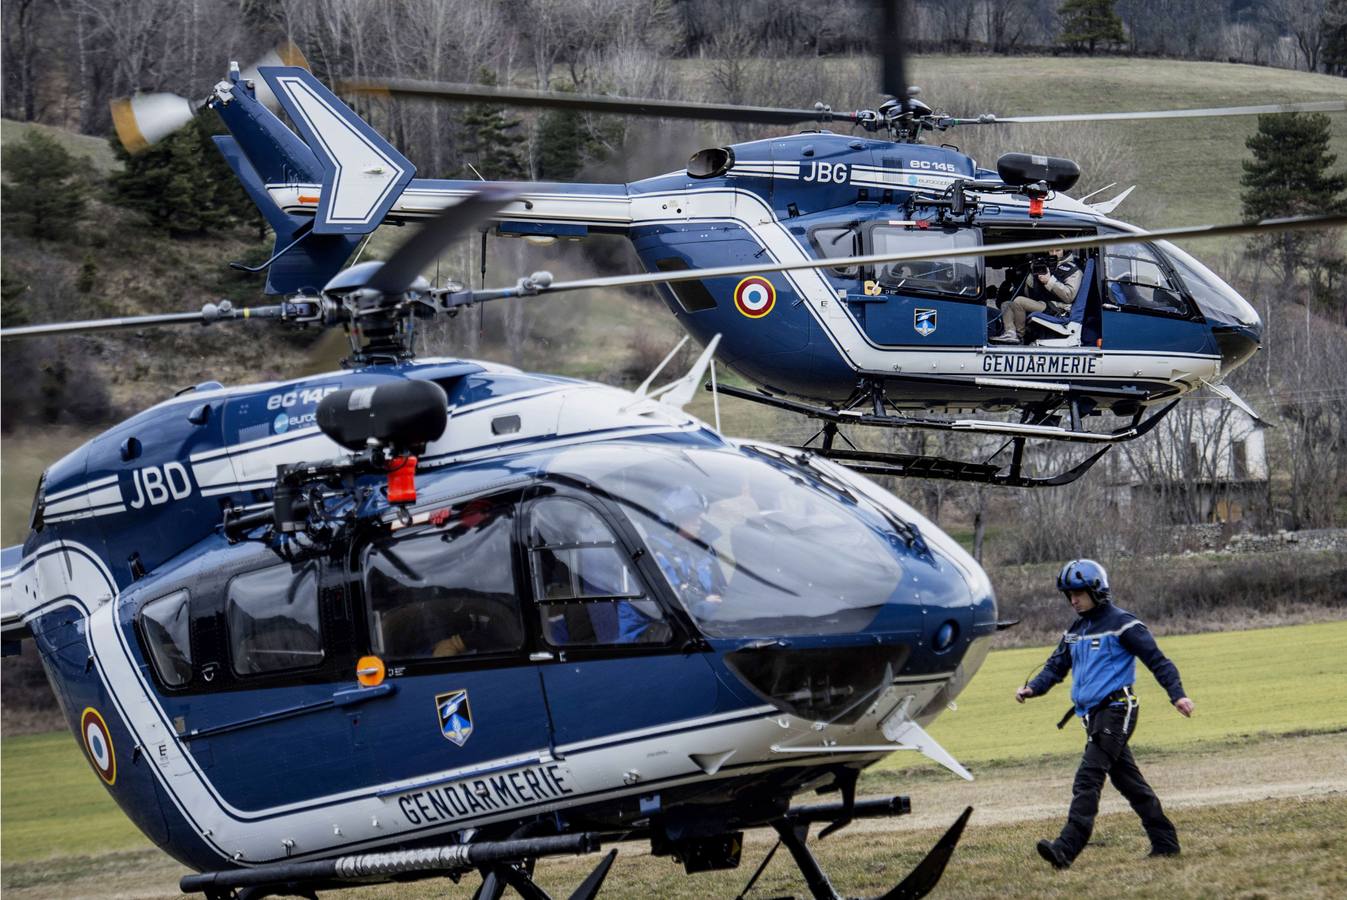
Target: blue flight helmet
[[1084, 575]]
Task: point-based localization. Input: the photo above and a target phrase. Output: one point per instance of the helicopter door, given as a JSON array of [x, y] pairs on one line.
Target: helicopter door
[[443, 611], [620, 664], [1144, 307], [931, 303]]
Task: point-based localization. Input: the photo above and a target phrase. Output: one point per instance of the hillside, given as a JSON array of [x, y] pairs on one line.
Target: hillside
[[1187, 172]]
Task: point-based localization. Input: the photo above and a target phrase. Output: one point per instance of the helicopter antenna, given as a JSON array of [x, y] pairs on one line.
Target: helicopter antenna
[[715, 393], [679, 394], [645, 385]]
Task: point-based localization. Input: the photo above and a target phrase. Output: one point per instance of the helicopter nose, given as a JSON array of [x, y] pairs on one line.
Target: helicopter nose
[[1237, 343]]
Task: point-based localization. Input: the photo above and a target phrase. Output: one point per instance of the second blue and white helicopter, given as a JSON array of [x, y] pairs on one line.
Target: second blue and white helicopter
[[734, 243]]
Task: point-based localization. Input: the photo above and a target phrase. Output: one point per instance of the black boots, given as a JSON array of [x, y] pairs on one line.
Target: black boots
[[1048, 850]]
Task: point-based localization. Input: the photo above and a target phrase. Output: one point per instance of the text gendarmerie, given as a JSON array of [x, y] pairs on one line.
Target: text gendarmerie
[[1045, 364], [481, 796]]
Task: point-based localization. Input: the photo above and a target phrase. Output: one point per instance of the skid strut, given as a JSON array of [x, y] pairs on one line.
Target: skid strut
[[793, 830], [1038, 422]]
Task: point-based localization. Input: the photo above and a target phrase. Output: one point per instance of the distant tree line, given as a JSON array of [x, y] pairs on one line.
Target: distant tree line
[[63, 60]]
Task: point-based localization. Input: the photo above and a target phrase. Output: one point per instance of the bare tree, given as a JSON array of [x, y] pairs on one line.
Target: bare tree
[[1303, 20], [20, 55]]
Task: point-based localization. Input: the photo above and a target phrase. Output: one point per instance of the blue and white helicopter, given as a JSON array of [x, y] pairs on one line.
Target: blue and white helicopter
[[737, 237], [422, 617]]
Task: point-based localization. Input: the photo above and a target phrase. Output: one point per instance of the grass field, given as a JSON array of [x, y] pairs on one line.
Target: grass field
[[1242, 685], [1264, 728]]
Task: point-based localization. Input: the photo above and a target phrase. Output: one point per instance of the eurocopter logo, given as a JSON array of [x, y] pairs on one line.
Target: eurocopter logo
[[455, 716], [924, 321], [282, 423]]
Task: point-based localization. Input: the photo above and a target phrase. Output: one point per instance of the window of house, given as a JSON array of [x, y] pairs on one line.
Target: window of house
[[1239, 460], [589, 593], [272, 618], [166, 626], [449, 592]]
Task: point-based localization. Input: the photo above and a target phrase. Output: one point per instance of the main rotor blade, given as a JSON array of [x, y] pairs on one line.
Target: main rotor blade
[[1213, 112], [633, 106], [889, 43], [401, 269], [207, 315], [1336, 220]]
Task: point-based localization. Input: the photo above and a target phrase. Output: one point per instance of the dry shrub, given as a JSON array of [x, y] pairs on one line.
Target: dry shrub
[[1186, 594]]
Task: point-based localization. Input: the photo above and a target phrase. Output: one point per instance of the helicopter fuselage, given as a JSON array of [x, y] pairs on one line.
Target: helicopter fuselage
[[211, 676], [926, 341]]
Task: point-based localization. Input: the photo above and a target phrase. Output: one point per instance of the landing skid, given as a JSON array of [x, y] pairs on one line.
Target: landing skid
[[509, 864], [1038, 422]]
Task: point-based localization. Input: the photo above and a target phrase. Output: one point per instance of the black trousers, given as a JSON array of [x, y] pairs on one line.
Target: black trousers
[[1106, 754]]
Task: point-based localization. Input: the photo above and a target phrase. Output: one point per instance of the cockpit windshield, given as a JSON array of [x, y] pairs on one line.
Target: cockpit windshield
[[751, 542], [1214, 297]]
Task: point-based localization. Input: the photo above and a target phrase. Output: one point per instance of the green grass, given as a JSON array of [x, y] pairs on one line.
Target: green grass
[[23, 458], [1266, 681], [95, 149], [1188, 171], [54, 805]]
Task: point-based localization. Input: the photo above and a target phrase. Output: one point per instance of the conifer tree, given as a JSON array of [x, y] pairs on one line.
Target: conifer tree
[[45, 191], [182, 185], [493, 139], [1291, 174], [1089, 23]]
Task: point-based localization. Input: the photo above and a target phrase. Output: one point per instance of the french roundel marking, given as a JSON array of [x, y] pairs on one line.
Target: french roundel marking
[[754, 296], [98, 744]]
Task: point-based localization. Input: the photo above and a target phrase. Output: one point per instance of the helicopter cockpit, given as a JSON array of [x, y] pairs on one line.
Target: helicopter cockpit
[[757, 543], [956, 301]]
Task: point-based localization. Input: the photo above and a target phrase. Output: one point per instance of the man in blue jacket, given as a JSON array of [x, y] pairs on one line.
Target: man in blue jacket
[[1100, 649]]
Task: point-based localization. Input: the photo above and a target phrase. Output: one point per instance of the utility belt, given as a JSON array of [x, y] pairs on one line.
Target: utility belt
[[1121, 695]]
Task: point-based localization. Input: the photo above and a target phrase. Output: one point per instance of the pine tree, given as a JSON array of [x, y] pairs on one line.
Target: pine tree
[[560, 141], [1090, 23], [46, 192], [183, 185], [1291, 174], [493, 139]]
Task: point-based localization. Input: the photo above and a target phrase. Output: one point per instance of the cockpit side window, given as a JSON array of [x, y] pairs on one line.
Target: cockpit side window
[[447, 592], [833, 242], [1137, 282], [588, 592], [165, 626], [272, 620], [957, 276]]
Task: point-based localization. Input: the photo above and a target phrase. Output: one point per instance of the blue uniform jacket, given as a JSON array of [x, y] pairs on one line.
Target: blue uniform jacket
[[1100, 649]]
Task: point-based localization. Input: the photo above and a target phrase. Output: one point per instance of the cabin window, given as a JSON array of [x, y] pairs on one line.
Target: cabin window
[[691, 295], [958, 276], [447, 592], [587, 590], [1138, 283], [835, 243], [272, 617], [166, 626]]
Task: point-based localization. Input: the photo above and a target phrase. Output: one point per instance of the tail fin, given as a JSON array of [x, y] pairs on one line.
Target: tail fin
[[361, 173], [301, 262], [357, 174]]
